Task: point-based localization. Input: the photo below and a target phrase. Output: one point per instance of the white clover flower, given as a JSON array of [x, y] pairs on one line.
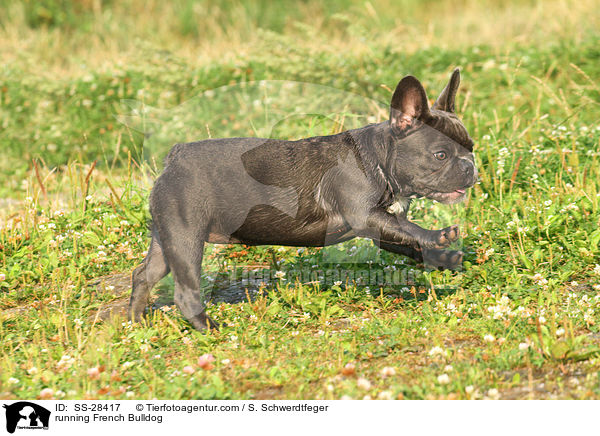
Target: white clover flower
[[448, 368], [363, 383], [280, 275], [2, 277], [65, 362], [93, 372], [437, 351], [337, 283], [469, 389], [387, 371], [46, 394], [384, 395], [489, 338], [523, 346], [13, 381], [32, 371], [443, 379], [493, 394], [540, 280], [560, 332]]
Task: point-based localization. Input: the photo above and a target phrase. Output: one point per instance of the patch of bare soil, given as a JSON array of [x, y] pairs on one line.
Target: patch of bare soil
[[117, 285]]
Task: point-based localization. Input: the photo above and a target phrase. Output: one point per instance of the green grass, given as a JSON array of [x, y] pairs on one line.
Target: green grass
[[520, 321]]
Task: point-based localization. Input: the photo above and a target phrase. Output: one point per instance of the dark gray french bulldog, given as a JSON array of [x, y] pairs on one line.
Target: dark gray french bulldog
[[311, 192]]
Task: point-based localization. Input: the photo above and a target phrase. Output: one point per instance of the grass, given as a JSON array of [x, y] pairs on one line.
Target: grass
[[520, 321]]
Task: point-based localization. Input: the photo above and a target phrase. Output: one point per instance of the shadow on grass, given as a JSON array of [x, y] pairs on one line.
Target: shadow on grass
[[239, 284]]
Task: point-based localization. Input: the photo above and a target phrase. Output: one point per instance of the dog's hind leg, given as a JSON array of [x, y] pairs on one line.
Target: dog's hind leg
[[153, 268], [184, 252]]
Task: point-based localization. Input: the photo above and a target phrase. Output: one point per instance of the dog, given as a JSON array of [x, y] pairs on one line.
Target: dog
[[311, 192]]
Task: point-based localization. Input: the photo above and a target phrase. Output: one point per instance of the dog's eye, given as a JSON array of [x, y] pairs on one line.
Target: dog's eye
[[440, 155]]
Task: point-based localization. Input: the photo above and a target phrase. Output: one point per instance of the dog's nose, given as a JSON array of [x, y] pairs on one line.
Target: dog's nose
[[467, 167]]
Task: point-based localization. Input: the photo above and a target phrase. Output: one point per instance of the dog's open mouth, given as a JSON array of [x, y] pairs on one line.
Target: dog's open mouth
[[455, 196]]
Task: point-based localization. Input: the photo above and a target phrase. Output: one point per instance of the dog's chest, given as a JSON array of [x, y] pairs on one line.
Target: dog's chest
[[399, 206]]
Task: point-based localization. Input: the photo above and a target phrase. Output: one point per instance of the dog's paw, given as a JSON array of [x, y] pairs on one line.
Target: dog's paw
[[204, 322], [443, 259], [446, 236]]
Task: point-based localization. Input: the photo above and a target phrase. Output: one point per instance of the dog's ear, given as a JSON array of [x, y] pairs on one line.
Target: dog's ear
[[409, 106], [445, 102]]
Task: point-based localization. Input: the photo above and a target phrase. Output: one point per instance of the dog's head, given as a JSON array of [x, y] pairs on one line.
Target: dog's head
[[431, 151]]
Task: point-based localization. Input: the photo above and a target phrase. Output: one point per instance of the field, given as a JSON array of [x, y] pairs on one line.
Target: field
[[92, 94]]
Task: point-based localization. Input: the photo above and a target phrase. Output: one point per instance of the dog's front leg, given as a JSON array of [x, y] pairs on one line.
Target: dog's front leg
[[383, 227], [392, 229], [439, 259]]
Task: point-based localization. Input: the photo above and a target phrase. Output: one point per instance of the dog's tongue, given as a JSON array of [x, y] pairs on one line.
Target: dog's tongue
[[460, 191]]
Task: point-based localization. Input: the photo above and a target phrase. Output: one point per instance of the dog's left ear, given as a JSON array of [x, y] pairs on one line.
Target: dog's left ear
[[409, 107], [445, 101]]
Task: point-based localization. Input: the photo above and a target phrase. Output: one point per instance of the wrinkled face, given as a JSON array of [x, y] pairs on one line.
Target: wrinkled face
[[431, 149], [441, 162]]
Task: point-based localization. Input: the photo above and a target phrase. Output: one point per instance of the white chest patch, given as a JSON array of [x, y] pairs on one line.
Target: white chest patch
[[399, 205]]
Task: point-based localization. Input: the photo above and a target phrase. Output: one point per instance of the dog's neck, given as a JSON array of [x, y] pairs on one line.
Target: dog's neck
[[377, 153]]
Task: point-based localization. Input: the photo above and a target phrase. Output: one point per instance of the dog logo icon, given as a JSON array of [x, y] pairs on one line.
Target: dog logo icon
[[26, 415]]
